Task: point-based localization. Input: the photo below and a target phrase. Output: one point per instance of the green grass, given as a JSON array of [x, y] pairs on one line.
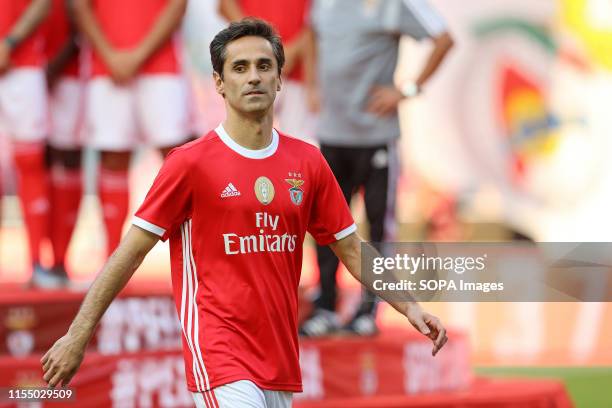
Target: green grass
[[589, 387]]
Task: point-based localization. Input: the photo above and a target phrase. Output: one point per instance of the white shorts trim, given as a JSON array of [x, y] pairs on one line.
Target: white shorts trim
[[23, 104], [242, 394], [153, 109]]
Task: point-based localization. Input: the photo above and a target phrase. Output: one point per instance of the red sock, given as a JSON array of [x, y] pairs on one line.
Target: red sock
[[33, 190], [115, 199], [66, 192]]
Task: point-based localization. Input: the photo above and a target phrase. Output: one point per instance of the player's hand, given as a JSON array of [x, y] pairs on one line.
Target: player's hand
[[5, 57], [123, 65], [384, 100], [62, 361], [428, 325]]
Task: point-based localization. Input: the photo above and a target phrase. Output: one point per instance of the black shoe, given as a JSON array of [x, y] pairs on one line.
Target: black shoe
[[362, 325], [43, 278], [321, 323], [62, 275]]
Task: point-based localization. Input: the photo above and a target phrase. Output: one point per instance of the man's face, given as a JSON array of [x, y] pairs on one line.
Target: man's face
[[250, 75]]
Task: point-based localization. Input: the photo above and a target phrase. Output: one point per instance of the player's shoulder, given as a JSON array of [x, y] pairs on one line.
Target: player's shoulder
[[194, 148], [297, 146]]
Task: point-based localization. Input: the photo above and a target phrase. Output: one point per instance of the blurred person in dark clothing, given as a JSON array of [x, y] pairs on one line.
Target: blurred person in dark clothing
[[355, 44]]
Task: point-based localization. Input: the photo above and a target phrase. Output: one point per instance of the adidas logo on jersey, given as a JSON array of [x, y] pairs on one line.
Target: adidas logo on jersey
[[230, 191]]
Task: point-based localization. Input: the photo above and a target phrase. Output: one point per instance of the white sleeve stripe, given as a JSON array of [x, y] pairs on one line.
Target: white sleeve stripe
[[429, 19], [345, 232], [146, 225]]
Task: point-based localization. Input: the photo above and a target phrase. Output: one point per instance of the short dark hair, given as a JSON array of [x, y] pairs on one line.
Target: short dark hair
[[244, 28]]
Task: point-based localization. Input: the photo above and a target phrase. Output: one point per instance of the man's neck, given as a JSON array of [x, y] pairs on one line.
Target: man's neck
[[249, 132]]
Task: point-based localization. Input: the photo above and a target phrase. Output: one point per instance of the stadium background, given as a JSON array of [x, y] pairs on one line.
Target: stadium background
[[471, 153]]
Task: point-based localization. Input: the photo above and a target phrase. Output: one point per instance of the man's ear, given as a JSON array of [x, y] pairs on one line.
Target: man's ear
[[219, 84]]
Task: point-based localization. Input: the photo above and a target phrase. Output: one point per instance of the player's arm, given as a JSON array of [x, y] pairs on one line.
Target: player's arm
[[309, 63], [348, 250], [295, 50], [385, 99], [419, 20], [29, 20], [63, 359], [166, 24], [68, 50], [442, 44], [87, 23], [230, 10]]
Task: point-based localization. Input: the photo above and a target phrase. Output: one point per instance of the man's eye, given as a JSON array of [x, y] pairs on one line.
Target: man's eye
[[239, 68], [264, 67]]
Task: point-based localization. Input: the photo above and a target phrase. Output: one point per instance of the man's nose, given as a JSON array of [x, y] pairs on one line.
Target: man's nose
[[254, 77]]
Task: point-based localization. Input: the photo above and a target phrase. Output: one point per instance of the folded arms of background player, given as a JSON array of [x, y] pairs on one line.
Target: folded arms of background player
[[124, 64]]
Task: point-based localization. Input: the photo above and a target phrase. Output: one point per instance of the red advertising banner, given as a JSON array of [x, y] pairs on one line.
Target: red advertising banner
[[395, 364]]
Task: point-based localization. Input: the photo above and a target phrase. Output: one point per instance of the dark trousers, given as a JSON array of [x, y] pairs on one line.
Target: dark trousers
[[375, 170]]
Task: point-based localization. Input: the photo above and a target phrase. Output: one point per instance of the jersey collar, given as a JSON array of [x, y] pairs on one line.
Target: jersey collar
[[243, 151]]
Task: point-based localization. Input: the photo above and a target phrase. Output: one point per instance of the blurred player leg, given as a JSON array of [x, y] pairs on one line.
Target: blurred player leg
[[114, 194], [66, 103], [24, 105], [113, 130]]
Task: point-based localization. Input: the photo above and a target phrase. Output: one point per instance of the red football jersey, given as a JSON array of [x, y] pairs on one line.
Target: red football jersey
[[30, 52], [125, 24], [57, 33], [288, 17], [236, 219]]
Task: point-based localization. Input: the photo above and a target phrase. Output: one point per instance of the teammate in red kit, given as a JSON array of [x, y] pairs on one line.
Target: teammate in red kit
[[137, 91], [235, 205], [23, 115], [293, 112], [66, 101]]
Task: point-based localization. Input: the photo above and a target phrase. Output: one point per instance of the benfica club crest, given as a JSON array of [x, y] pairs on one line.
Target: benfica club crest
[[295, 192]]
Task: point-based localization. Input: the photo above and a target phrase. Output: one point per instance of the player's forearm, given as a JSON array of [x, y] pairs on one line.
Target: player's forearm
[[348, 250], [110, 281], [29, 20], [69, 49], [442, 45], [309, 58], [230, 10], [165, 26], [61, 59], [88, 25]]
